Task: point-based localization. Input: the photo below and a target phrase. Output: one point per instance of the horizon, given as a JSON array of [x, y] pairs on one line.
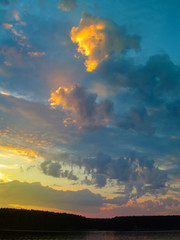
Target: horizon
[[90, 107], [48, 211]]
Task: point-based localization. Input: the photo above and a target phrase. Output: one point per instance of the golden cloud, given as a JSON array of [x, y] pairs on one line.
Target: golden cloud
[[21, 151], [99, 38]]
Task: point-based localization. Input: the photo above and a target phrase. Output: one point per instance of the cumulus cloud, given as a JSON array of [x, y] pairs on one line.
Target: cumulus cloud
[[36, 195], [88, 112], [67, 5], [132, 171], [99, 38], [54, 168]]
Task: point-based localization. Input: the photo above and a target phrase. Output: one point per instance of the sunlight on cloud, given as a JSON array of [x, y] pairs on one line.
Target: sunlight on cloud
[[36, 54], [87, 111], [4, 178], [7, 25], [88, 39], [15, 166], [25, 152], [16, 15], [98, 38], [57, 97]]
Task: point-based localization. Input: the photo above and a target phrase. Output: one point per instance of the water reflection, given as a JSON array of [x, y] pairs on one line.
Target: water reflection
[[111, 235]]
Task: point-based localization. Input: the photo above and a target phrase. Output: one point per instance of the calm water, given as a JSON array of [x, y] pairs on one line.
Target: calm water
[[92, 236]]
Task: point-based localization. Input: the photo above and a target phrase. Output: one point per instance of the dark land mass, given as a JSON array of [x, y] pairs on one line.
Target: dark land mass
[[32, 220]]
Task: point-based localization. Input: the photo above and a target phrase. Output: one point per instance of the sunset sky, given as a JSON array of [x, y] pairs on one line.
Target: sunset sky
[[90, 106]]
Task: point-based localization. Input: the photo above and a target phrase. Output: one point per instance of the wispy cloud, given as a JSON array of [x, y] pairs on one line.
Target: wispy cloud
[[7, 25]]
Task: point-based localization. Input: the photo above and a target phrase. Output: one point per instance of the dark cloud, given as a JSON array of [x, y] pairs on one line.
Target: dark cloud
[[118, 200], [132, 171], [151, 82], [54, 168], [138, 120]]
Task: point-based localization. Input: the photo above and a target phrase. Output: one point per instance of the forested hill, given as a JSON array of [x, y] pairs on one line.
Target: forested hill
[[19, 219]]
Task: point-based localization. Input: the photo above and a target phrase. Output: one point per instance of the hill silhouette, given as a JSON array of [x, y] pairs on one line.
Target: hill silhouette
[[20, 219]]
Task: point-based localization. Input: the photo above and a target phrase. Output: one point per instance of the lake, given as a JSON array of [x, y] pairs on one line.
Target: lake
[[91, 235]]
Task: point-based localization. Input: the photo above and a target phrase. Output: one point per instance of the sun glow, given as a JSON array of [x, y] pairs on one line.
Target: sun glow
[[24, 152]]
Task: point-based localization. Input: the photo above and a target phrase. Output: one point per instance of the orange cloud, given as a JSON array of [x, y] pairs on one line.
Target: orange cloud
[[16, 15], [7, 25], [98, 38], [16, 33], [36, 54]]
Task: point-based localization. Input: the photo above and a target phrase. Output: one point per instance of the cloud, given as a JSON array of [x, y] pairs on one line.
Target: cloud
[[7, 25], [88, 112], [36, 195], [158, 206], [99, 38], [132, 171], [54, 168], [16, 15], [32, 126], [67, 5], [36, 54], [150, 83], [137, 119], [118, 200]]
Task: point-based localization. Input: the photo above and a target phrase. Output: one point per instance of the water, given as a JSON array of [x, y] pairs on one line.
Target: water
[[91, 235]]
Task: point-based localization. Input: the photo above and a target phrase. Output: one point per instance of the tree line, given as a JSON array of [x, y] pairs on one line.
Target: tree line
[[20, 219]]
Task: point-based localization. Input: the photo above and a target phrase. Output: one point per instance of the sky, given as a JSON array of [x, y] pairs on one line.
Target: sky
[[90, 106]]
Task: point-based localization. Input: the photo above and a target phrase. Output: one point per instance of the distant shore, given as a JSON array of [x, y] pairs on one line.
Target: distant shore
[[32, 221]]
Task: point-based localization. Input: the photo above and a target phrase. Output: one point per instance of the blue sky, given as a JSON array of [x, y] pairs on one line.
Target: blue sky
[[90, 106]]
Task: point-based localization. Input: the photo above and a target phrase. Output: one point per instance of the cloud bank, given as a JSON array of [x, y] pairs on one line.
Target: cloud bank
[[36, 195]]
